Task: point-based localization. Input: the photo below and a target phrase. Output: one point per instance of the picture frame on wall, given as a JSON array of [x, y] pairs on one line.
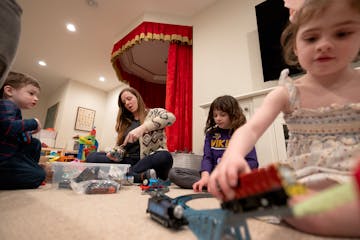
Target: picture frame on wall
[[84, 119]]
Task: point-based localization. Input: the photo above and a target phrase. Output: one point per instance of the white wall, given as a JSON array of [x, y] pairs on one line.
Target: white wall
[[226, 60], [226, 57], [70, 96], [78, 95]]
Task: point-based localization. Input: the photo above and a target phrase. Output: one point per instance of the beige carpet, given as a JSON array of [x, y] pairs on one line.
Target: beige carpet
[[48, 213]]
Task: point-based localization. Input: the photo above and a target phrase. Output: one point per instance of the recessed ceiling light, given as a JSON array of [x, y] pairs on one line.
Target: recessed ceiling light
[[101, 79], [42, 63], [71, 27]]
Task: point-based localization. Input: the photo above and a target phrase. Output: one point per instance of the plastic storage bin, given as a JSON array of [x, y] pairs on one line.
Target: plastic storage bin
[[64, 171]]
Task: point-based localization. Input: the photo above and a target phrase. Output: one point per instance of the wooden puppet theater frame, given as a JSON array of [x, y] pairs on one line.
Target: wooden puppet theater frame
[[178, 88]]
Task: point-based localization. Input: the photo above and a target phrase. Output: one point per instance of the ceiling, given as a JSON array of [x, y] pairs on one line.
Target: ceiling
[[84, 56]]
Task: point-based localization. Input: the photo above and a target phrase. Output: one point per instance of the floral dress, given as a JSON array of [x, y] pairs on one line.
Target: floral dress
[[324, 143]]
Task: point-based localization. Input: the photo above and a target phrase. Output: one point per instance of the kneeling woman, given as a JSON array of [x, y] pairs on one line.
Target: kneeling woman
[[141, 134]]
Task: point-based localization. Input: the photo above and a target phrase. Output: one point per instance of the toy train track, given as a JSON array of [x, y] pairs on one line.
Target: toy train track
[[170, 212], [262, 192]]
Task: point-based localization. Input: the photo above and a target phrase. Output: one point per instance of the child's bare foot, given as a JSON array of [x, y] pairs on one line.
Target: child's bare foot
[[48, 171]]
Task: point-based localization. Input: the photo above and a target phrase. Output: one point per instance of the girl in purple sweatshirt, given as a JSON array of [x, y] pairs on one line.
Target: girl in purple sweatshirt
[[225, 115]]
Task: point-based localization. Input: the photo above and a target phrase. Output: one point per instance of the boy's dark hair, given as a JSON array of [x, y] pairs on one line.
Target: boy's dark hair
[[229, 105], [18, 80]]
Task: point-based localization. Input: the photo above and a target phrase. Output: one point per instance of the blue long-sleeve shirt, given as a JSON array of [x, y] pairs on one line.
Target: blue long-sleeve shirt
[[14, 131], [216, 141]]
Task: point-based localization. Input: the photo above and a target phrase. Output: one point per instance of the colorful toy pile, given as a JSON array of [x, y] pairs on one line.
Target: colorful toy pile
[[87, 144]]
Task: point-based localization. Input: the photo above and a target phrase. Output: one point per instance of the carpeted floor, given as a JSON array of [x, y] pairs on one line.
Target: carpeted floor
[[49, 213]]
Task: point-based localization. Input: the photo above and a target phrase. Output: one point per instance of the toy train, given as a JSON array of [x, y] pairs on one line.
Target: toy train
[[152, 184], [165, 211], [264, 188]]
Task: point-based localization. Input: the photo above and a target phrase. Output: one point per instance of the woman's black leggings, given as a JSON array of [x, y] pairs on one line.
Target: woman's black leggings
[[160, 161]]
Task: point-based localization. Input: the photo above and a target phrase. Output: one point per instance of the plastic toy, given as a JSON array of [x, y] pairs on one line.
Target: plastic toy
[[89, 173], [330, 198], [53, 156], [155, 185], [68, 158], [87, 144], [206, 224], [266, 195], [260, 193], [163, 210], [118, 153], [264, 188], [102, 187]]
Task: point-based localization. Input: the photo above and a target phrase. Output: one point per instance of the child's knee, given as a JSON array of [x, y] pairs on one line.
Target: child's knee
[[38, 176], [172, 174]]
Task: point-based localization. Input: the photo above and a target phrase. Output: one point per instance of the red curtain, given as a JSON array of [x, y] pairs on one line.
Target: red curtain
[[153, 94], [179, 97], [179, 77]]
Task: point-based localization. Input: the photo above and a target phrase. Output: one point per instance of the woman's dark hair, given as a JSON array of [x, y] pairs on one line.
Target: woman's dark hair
[[125, 117], [229, 105]]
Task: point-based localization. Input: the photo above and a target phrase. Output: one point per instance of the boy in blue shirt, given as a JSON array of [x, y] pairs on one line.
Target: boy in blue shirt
[[19, 152]]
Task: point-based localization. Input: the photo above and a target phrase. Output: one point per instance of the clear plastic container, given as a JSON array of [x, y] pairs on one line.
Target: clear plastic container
[[66, 171]]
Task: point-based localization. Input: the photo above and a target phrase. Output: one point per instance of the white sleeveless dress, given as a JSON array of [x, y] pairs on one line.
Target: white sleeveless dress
[[324, 143]]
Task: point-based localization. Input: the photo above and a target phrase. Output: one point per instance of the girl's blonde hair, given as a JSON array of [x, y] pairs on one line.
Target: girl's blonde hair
[[310, 10], [18, 80], [229, 105], [125, 117]]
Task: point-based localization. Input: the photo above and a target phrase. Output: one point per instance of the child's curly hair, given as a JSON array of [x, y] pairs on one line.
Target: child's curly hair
[[229, 105]]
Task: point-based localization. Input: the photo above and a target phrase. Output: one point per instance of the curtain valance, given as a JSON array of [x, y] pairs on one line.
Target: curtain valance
[[153, 31]]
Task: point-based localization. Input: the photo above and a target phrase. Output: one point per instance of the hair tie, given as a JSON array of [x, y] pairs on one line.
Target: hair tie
[[293, 6]]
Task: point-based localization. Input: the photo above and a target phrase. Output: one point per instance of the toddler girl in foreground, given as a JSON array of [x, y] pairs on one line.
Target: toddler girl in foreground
[[321, 110]]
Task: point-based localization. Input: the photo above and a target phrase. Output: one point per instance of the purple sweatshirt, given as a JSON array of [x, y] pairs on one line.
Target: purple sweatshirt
[[216, 141]]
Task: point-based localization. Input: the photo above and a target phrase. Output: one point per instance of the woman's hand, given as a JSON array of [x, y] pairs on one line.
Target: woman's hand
[[224, 178], [203, 182], [134, 135], [108, 155]]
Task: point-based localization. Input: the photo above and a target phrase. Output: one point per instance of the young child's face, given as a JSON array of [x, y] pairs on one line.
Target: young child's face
[[25, 97], [222, 119], [328, 43]]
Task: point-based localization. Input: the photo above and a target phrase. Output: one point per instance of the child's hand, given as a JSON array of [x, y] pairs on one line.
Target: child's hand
[[225, 176], [38, 127], [203, 182]]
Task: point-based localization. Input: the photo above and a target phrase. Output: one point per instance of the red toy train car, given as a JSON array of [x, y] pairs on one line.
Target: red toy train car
[[264, 188]]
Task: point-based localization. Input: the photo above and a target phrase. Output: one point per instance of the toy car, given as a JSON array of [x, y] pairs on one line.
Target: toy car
[[164, 211], [152, 184], [102, 187], [264, 188]]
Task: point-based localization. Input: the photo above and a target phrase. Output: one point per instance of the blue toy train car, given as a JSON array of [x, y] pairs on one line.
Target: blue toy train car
[[163, 210]]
